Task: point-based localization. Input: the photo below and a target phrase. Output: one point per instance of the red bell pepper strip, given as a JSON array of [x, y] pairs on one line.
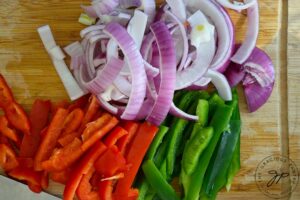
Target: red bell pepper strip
[[38, 118], [133, 194], [34, 188], [8, 160], [136, 153], [79, 103], [105, 189], [67, 139], [91, 110], [110, 162], [25, 162], [61, 177], [49, 141], [17, 117], [114, 136], [6, 96], [73, 121], [64, 157], [85, 189], [26, 174], [94, 126], [45, 180], [7, 131], [123, 142], [96, 136], [84, 166]]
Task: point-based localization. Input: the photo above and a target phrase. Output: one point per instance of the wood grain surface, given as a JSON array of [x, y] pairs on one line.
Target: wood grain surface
[[273, 130]]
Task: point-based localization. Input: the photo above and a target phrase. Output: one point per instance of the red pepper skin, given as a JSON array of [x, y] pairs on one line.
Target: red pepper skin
[[45, 180], [105, 190], [99, 134], [8, 160], [73, 121], [136, 153], [6, 96], [79, 103], [38, 118], [61, 177], [28, 175], [34, 188], [50, 140], [64, 157], [7, 131], [123, 142], [17, 117], [85, 189], [110, 162], [115, 135], [82, 168], [25, 162]]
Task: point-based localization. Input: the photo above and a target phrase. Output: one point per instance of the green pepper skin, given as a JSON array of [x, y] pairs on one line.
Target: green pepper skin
[[157, 181], [219, 122]]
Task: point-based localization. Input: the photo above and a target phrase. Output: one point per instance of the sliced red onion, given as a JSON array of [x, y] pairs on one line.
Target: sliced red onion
[[184, 38], [130, 3], [90, 11], [221, 84], [144, 111], [99, 61], [166, 48], [204, 81], [234, 74], [121, 18], [73, 89], [122, 84], [149, 7], [135, 61], [104, 104], [248, 45], [89, 29], [178, 8], [224, 28], [104, 7], [179, 113], [150, 70], [137, 26], [237, 5], [105, 76]]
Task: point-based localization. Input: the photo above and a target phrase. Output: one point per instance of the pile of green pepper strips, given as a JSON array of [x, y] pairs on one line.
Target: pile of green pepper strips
[[205, 155]]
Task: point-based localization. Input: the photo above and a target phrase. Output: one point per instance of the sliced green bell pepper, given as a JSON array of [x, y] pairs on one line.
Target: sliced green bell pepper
[[157, 181]]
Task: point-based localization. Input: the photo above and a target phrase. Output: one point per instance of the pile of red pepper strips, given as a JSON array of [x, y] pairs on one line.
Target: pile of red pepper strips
[[94, 154]]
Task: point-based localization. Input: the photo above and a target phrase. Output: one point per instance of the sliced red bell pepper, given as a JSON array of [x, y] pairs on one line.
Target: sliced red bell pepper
[[38, 118], [85, 189], [45, 180], [26, 174], [34, 188], [8, 160], [73, 121], [25, 162], [91, 111], [94, 126], [6, 96], [136, 153], [133, 194], [96, 136], [61, 177], [79, 103], [64, 157], [123, 142], [49, 141], [114, 136], [67, 139], [82, 168], [17, 117], [105, 189], [7, 131], [110, 162]]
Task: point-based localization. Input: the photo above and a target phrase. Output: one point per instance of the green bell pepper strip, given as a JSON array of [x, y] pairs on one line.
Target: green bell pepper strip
[[214, 101], [143, 189], [202, 112], [156, 142], [157, 181], [195, 146], [219, 122], [216, 175]]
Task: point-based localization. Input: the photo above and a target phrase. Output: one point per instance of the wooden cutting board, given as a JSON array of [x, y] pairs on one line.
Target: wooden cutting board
[[273, 130]]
